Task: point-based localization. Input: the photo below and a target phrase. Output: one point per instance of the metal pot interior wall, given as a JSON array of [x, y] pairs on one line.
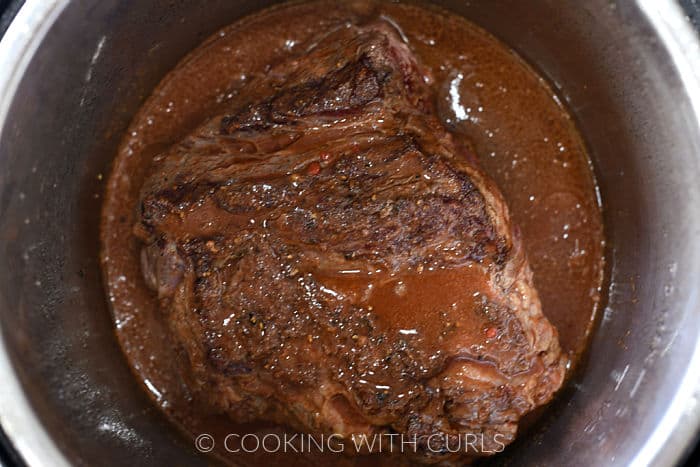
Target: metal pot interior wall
[[100, 60]]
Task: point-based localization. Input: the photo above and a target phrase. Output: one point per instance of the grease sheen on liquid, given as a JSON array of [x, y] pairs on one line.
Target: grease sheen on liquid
[[526, 141]]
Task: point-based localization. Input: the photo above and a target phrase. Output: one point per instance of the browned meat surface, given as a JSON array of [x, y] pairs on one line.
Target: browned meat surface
[[327, 257]]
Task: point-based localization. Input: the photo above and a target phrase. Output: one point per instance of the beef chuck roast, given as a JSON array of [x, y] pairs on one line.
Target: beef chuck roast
[[328, 257]]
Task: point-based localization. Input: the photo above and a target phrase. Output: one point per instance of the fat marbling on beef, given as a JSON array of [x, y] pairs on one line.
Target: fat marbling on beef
[[328, 257]]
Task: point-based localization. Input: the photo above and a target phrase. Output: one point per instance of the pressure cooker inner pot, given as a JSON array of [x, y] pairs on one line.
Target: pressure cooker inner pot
[[98, 62]]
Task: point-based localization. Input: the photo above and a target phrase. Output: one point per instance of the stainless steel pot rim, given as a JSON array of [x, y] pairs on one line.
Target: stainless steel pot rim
[[672, 438], [17, 417], [675, 432]]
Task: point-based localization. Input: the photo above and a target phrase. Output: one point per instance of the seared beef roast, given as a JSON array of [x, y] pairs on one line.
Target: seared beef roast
[[328, 257]]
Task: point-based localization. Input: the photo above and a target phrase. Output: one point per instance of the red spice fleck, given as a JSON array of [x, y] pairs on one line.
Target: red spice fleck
[[491, 333], [313, 169], [325, 157]]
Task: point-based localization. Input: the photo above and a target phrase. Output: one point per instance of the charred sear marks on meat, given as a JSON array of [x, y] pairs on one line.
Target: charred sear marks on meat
[[329, 258]]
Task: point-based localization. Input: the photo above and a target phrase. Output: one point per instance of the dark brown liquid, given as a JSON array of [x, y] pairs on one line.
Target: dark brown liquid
[[526, 142]]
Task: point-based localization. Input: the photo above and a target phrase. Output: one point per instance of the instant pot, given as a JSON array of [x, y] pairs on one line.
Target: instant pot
[[73, 74]]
